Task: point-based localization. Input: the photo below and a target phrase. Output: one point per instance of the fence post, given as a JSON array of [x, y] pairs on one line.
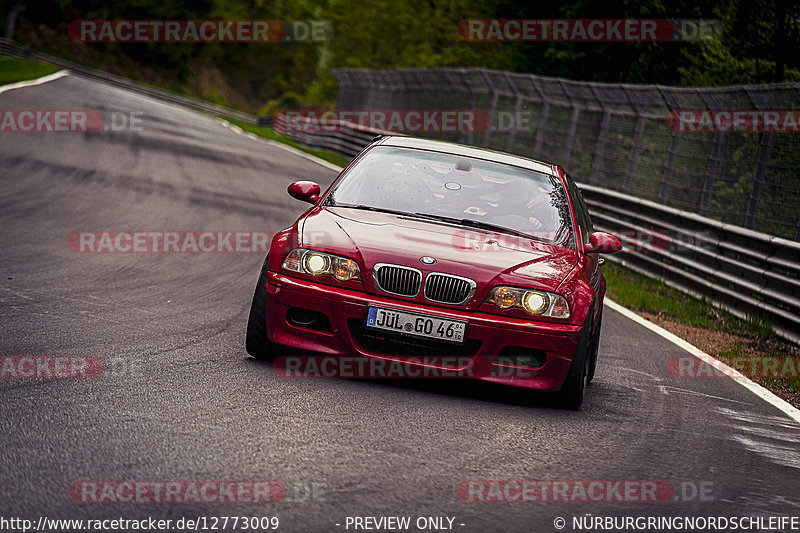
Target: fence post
[[636, 145], [713, 161], [602, 139], [765, 146], [455, 80], [12, 20], [666, 175], [797, 230], [537, 147], [512, 135], [711, 173], [473, 99], [573, 125], [493, 108], [758, 180]]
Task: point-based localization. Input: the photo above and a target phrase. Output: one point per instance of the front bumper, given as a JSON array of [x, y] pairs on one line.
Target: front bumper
[[486, 334]]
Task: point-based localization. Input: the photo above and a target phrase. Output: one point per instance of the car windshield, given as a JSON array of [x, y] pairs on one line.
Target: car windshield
[[463, 190]]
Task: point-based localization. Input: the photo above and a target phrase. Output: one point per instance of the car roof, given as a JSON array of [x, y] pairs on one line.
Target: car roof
[[466, 151]]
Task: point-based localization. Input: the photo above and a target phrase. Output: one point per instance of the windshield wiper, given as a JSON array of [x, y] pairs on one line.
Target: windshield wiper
[[480, 225], [369, 208]]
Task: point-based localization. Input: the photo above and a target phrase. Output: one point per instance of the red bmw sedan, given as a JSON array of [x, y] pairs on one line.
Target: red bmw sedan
[[483, 259]]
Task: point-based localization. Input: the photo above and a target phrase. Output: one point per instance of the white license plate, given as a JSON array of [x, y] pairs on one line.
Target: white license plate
[[415, 324]]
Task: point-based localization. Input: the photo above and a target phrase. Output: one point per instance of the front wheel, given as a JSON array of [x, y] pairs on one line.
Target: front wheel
[[256, 342], [571, 394], [594, 349]]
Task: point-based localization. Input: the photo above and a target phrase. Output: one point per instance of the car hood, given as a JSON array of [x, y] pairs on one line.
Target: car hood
[[487, 257]]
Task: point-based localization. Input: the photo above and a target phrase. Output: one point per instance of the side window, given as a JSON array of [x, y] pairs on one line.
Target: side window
[[586, 214], [581, 211]]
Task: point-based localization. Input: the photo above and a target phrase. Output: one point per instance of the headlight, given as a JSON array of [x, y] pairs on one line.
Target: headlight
[[534, 302], [321, 263]]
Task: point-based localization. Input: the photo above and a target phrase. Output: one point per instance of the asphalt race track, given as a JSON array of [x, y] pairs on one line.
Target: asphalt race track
[[181, 400]]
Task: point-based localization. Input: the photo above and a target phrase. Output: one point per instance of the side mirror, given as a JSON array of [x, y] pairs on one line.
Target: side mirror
[[603, 243], [307, 191]]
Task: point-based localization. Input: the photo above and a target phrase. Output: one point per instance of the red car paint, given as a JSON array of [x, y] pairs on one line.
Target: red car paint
[[370, 237]]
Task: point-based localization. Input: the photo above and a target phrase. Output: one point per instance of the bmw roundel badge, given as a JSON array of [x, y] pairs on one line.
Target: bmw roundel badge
[[427, 260]]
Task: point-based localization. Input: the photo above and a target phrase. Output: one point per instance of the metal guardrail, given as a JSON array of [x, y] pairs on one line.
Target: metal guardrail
[[748, 273]]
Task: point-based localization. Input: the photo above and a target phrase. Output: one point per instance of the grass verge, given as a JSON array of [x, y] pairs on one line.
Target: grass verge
[[750, 346], [269, 133], [13, 70]]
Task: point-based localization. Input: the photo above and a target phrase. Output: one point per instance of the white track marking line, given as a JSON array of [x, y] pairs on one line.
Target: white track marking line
[[31, 83], [734, 374]]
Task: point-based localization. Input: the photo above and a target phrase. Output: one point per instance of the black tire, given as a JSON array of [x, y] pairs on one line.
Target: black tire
[[593, 351], [257, 343], [571, 394]]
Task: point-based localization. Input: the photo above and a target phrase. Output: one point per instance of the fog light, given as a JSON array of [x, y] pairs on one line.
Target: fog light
[[306, 318], [301, 317]]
